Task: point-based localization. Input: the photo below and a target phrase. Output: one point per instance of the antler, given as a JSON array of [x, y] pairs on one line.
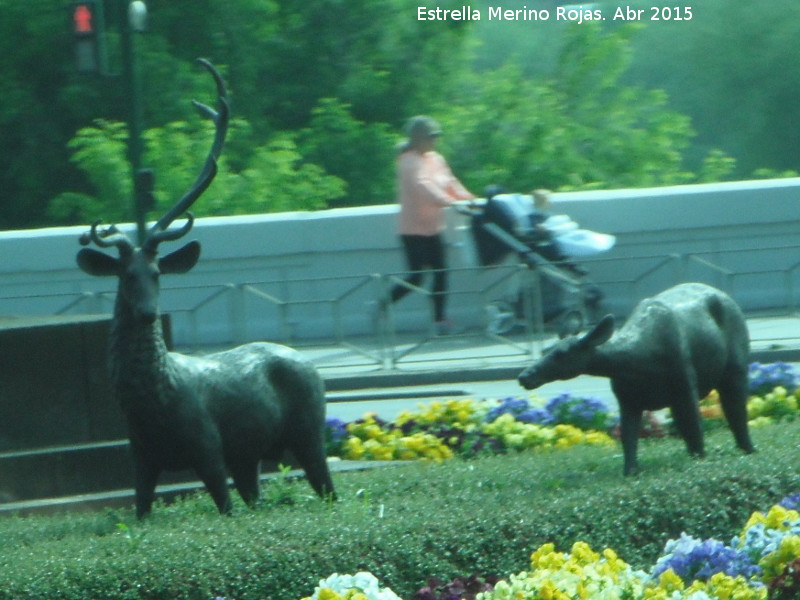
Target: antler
[[158, 233], [106, 238]]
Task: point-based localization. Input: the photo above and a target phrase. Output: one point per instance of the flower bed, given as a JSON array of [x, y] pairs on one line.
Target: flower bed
[[465, 428], [762, 562]]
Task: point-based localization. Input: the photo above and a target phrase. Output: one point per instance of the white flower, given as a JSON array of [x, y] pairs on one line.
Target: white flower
[[363, 582]]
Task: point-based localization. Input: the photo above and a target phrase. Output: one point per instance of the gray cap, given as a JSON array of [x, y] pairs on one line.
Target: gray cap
[[421, 127]]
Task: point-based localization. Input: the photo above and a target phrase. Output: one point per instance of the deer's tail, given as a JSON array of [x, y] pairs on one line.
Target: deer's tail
[[716, 309]]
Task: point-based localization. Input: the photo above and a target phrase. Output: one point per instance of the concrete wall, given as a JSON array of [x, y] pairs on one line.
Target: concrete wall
[[309, 259]]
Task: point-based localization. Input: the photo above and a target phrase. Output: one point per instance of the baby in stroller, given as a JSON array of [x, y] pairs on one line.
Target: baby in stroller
[[526, 217], [521, 224]]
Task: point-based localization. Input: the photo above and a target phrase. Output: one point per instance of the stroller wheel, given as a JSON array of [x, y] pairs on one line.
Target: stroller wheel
[[570, 323]]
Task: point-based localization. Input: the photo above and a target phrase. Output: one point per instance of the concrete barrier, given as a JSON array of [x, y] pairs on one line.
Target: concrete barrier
[[57, 410], [297, 263]]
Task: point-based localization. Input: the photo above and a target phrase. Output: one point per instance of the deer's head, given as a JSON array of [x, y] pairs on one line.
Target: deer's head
[[569, 357], [138, 267]]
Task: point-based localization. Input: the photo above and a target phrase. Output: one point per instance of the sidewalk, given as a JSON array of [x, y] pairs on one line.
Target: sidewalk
[[466, 357]]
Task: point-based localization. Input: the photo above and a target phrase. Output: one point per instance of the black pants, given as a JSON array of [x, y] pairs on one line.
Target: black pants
[[425, 252]]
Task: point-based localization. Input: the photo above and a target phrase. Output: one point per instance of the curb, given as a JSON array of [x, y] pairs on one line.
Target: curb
[[124, 499], [392, 379]]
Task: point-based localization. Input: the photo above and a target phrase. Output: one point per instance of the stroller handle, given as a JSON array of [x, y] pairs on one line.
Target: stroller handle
[[469, 208]]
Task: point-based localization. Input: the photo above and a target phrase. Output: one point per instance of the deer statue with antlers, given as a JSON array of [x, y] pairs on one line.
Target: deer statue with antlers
[[218, 414]]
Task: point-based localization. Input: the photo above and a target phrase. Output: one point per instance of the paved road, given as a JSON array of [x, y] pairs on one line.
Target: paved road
[[461, 367], [388, 402]]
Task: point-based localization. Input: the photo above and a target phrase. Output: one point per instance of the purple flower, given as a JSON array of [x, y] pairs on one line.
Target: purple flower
[[510, 405], [460, 588], [585, 413], [538, 416], [693, 559], [791, 502], [764, 378], [337, 429], [335, 434]]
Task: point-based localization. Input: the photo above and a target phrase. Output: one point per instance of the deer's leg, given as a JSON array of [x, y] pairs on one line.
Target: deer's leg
[[212, 473], [245, 478], [146, 477], [310, 454], [302, 388], [733, 398], [686, 415], [630, 425]]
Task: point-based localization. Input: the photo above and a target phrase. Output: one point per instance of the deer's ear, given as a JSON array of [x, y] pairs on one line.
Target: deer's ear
[[600, 333], [97, 263], [182, 260]]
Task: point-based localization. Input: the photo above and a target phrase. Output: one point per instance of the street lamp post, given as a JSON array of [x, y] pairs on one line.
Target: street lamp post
[[136, 22]]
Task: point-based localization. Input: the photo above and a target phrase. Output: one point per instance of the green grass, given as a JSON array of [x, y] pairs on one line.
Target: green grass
[[403, 523]]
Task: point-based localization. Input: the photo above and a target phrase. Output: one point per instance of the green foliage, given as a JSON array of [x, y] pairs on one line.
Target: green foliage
[[403, 523], [355, 151], [370, 54], [580, 129], [276, 179], [717, 166], [100, 152], [273, 177], [329, 82], [731, 70]]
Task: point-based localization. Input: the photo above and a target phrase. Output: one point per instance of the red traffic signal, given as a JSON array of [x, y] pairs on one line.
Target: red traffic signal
[[86, 26], [83, 19]]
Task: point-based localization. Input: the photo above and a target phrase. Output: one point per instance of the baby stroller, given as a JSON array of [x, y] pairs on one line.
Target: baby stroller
[[509, 224]]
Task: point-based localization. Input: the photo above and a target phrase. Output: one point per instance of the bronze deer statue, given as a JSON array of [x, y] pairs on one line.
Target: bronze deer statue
[[672, 351], [220, 413]]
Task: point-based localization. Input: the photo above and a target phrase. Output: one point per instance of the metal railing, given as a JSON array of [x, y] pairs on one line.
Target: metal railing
[[334, 314]]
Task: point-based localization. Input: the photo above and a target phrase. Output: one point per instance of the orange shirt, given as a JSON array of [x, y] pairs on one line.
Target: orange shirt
[[425, 185]]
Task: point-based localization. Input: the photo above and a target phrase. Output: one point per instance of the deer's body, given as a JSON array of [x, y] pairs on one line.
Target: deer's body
[[218, 414], [672, 351]]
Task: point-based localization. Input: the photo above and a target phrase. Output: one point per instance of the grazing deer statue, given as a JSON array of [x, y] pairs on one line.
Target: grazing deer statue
[[214, 414], [672, 351]]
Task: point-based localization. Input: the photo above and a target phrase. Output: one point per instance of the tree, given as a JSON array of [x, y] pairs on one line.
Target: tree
[[731, 69], [357, 152], [273, 177], [280, 60], [579, 129]]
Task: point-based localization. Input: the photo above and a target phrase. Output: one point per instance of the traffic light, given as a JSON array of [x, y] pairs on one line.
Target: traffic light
[[87, 25]]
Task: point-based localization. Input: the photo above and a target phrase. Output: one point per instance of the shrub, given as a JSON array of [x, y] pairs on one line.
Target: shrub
[[404, 524]]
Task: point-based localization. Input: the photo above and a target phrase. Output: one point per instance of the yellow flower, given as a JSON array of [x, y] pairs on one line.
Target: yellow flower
[[599, 438], [583, 554], [670, 581], [710, 408], [353, 448], [755, 407], [406, 454], [725, 587], [547, 558], [451, 412], [776, 518], [328, 594], [373, 431], [775, 562]]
